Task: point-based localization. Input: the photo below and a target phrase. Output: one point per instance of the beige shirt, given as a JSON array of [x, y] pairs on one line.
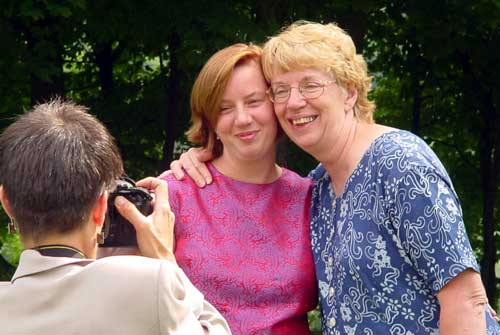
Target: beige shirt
[[114, 295]]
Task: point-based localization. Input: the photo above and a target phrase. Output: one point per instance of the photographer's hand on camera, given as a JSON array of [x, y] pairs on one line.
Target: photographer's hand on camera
[[155, 233]]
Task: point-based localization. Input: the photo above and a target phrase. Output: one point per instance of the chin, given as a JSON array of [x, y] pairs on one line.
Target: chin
[[304, 144]]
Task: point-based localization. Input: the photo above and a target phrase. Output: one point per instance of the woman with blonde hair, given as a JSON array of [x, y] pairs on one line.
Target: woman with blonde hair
[[391, 252]]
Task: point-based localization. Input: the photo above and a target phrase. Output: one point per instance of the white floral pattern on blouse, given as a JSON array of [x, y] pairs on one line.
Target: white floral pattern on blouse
[[390, 242]]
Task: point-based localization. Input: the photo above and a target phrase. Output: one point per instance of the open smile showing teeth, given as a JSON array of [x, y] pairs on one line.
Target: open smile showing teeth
[[303, 120]]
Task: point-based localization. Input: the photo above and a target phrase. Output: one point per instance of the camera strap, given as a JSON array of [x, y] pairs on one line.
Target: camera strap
[[59, 250]]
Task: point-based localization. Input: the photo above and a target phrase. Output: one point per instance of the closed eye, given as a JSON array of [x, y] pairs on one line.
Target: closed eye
[[254, 102], [225, 109], [280, 90], [311, 86]]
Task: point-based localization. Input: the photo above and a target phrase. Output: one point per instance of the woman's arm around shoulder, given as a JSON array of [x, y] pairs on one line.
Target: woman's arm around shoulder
[[192, 162]]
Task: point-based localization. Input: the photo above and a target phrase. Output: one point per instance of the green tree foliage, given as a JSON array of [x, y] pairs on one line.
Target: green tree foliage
[[133, 63], [438, 76], [9, 250]]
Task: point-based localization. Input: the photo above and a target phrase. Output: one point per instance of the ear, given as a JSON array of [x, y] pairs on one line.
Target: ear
[[5, 202], [350, 98], [100, 208]]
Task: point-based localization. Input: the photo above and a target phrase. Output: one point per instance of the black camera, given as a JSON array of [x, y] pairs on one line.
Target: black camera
[[117, 231]]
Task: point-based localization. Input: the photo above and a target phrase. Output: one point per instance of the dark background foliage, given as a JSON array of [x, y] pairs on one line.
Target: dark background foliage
[[133, 63]]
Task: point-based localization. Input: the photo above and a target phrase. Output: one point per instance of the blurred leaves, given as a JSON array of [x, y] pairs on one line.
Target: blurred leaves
[[11, 248], [133, 63], [314, 318]]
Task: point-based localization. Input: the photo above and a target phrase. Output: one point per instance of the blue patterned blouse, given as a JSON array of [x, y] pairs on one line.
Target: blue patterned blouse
[[390, 242]]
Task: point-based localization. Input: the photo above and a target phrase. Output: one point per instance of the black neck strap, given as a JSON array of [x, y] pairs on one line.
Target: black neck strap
[[59, 250]]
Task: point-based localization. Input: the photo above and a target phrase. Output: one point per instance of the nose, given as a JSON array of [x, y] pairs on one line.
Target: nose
[[296, 99], [242, 116]]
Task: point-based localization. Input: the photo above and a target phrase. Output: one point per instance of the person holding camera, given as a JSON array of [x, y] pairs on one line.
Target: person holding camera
[[58, 165]]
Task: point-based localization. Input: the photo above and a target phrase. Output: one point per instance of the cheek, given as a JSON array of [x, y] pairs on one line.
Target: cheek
[[279, 110], [279, 116], [224, 124], [266, 116]]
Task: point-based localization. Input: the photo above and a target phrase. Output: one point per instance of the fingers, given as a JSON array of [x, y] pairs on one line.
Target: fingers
[[163, 218], [494, 314], [204, 156], [176, 170], [193, 163], [155, 233], [152, 184], [131, 213], [162, 212]]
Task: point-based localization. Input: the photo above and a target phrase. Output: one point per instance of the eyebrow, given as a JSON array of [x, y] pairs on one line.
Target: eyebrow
[[306, 78], [251, 95]]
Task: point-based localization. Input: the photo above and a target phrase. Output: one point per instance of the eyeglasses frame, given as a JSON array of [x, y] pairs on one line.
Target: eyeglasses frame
[[323, 83]]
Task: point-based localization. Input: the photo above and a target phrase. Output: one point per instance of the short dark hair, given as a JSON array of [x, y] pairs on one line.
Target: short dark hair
[[55, 161]]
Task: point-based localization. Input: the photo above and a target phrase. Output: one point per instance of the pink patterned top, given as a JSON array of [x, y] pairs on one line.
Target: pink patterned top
[[247, 248]]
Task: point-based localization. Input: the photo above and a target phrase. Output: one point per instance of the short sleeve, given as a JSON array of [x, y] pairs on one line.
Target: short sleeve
[[427, 217], [182, 308]]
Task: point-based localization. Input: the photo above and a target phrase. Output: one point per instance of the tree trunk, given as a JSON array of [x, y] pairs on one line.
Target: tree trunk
[[172, 93], [44, 88], [417, 103], [355, 24], [105, 61], [489, 145], [489, 167]]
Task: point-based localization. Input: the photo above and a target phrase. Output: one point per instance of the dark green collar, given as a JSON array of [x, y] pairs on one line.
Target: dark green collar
[[59, 250]]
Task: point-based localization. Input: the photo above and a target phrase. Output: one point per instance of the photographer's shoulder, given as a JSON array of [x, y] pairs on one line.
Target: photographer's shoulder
[[103, 252]]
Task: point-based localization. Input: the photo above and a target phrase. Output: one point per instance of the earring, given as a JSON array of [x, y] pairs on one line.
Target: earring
[[12, 227], [217, 137], [100, 238]]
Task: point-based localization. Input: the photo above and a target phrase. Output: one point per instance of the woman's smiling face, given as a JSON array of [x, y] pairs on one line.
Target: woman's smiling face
[[311, 123], [247, 126]]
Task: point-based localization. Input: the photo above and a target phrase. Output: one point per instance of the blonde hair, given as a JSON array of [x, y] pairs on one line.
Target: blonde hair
[[325, 47], [208, 89]]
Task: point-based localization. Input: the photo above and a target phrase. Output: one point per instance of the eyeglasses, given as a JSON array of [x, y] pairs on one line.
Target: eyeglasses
[[280, 93]]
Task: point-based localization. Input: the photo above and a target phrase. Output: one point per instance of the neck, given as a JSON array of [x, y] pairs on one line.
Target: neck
[[261, 171], [340, 160], [359, 139], [77, 239], [337, 154]]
